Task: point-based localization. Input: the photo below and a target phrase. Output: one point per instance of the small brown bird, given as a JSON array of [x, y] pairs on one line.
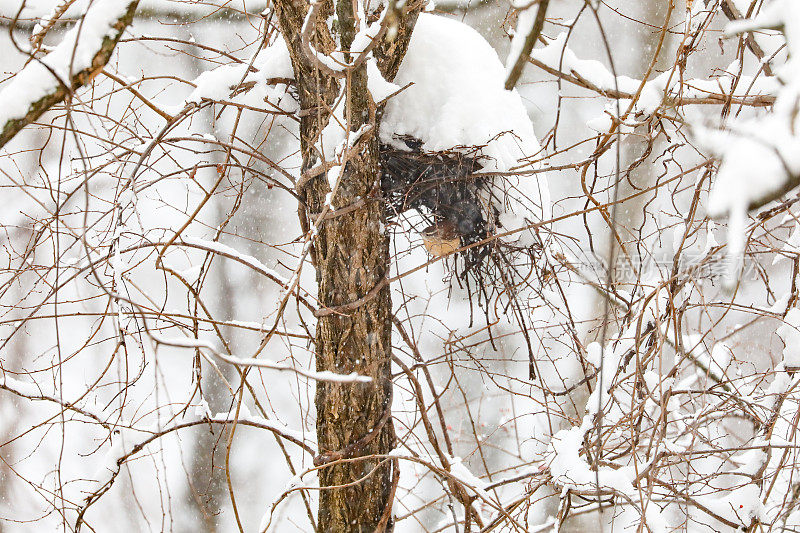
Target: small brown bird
[[441, 239]]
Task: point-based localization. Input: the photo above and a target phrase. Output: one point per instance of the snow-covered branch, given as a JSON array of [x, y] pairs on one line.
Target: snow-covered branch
[[78, 58]]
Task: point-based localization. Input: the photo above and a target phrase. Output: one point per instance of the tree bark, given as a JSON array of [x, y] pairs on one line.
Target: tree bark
[[351, 255]]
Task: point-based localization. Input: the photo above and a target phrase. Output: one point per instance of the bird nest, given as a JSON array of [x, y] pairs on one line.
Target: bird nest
[[446, 189], [459, 205], [455, 199]]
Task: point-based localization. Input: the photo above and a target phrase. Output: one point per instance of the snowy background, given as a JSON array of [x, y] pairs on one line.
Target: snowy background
[[105, 344]]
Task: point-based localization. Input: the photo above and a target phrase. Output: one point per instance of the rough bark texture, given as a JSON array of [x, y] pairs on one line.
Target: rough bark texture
[[351, 256]]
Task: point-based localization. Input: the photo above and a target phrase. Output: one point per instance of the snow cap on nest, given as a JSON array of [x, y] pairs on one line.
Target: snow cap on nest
[[458, 99]]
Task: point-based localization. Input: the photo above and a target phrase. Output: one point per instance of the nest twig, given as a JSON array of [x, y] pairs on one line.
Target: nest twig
[[442, 185], [447, 189]]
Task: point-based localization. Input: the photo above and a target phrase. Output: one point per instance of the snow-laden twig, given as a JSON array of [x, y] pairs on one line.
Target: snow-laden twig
[[186, 342], [529, 27], [125, 445], [335, 64], [558, 59], [765, 146], [32, 391], [73, 63], [226, 251]]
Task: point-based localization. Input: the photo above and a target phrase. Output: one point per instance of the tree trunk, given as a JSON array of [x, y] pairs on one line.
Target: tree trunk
[[351, 256]]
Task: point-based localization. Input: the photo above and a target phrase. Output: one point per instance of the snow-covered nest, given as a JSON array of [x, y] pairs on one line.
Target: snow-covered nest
[[441, 184], [459, 140]]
